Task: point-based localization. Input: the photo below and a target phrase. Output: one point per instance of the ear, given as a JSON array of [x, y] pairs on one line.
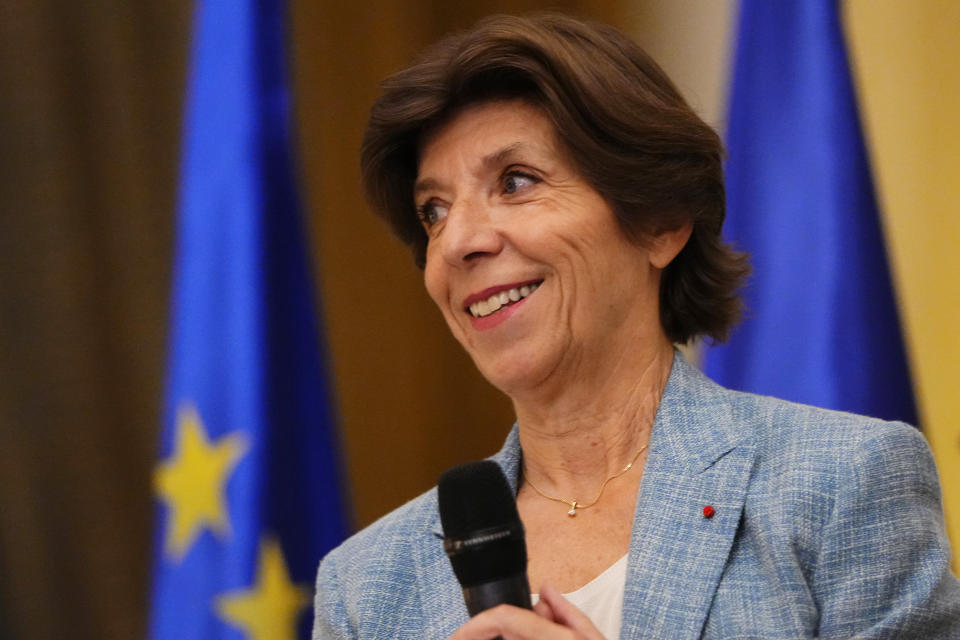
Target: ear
[[665, 246]]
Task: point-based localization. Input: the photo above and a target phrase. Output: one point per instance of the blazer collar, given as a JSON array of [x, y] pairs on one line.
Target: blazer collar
[[694, 424], [692, 430]]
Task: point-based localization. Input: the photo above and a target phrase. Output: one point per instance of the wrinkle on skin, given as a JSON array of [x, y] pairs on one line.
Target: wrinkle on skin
[[580, 444], [584, 359]]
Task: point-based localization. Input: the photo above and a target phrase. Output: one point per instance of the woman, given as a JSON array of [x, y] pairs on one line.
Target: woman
[[566, 206]]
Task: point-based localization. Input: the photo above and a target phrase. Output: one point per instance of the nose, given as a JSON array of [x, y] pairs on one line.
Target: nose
[[469, 233]]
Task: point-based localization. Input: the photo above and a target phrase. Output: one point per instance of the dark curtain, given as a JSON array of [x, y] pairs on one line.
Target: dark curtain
[[89, 110]]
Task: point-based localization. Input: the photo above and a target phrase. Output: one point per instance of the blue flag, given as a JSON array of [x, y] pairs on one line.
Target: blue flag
[[821, 325], [249, 477]]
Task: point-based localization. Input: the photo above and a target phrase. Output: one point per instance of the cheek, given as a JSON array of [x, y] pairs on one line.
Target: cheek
[[435, 283]]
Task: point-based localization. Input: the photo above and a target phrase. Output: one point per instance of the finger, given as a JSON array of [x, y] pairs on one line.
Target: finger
[[566, 614], [511, 623], [543, 610]]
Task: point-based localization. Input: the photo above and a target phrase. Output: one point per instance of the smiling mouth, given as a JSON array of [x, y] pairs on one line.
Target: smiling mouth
[[501, 300]]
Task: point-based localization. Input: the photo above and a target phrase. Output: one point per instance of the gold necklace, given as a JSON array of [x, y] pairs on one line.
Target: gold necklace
[[573, 504]]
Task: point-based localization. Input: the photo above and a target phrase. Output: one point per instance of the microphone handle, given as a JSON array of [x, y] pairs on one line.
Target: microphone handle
[[514, 590]]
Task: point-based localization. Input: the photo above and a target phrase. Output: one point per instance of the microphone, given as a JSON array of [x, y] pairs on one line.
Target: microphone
[[483, 536]]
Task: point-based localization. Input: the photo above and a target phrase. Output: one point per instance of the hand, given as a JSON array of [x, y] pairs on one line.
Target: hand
[[552, 618]]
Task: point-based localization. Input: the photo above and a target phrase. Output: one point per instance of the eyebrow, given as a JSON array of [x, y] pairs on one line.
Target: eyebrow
[[492, 160], [503, 155]]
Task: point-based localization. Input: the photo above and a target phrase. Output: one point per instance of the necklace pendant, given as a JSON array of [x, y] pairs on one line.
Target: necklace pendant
[[573, 509]]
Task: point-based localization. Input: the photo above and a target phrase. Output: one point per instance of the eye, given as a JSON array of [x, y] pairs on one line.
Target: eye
[[431, 212], [516, 181]]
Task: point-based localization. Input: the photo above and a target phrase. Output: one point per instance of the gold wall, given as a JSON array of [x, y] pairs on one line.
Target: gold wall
[[905, 56]]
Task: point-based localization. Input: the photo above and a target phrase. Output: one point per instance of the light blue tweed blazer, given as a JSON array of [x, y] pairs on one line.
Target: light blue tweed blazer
[[827, 525]]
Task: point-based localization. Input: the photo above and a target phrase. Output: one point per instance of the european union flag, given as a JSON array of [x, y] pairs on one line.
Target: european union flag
[[249, 477], [822, 324]]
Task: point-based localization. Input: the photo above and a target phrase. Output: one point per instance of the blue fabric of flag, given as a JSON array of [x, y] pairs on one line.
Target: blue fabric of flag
[[246, 370], [821, 324]]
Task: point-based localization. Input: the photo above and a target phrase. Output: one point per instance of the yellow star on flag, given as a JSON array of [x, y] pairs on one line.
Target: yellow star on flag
[[192, 481], [269, 609]]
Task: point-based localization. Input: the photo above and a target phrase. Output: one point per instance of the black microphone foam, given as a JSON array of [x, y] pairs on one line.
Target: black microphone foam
[[483, 536]]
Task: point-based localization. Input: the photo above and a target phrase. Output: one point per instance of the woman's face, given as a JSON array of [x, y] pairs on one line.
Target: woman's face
[[524, 259]]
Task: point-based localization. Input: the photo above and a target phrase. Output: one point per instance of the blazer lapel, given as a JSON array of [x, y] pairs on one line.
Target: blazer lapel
[[440, 596], [677, 553], [443, 608]]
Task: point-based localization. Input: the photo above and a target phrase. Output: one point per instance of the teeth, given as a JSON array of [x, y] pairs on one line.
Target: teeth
[[497, 300]]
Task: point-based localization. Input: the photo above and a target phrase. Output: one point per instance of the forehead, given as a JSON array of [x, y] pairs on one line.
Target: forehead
[[488, 131]]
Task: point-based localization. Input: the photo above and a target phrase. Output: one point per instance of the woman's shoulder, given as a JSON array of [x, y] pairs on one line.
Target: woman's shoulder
[[855, 502], [371, 581], [389, 579], [780, 431], [810, 461], [390, 537], [784, 429]]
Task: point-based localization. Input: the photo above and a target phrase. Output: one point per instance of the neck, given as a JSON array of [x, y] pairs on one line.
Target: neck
[[574, 439]]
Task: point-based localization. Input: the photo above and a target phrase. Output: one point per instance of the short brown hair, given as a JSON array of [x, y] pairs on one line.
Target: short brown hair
[[628, 131]]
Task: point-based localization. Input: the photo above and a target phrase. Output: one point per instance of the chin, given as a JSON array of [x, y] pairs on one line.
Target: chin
[[513, 374]]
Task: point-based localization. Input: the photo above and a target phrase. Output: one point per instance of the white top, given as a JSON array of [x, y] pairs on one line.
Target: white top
[[601, 599]]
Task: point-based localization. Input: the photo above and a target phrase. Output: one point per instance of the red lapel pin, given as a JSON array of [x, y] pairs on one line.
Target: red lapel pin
[[708, 511]]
